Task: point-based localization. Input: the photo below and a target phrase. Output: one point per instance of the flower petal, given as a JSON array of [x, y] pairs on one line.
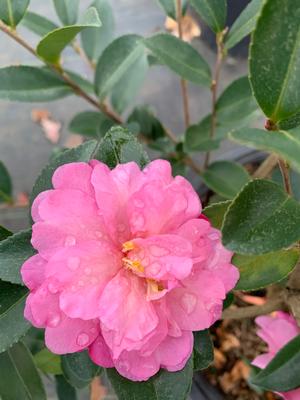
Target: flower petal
[[75, 175], [33, 271], [100, 353]]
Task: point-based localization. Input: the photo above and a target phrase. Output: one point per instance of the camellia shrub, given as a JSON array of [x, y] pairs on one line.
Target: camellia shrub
[[125, 269]]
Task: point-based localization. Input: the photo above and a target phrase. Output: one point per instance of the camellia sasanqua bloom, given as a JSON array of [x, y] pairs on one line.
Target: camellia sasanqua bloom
[[125, 267], [276, 330]]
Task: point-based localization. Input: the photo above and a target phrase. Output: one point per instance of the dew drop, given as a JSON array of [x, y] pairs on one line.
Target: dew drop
[[189, 302], [70, 241], [157, 251], [138, 221], [82, 339], [53, 320], [73, 263], [52, 288], [154, 268], [88, 271]]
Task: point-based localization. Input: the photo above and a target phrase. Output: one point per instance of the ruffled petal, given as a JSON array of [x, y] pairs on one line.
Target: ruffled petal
[[33, 271], [75, 175], [100, 353]]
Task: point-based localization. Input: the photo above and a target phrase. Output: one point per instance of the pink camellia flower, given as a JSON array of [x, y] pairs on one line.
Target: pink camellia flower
[[125, 267], [276, 331]]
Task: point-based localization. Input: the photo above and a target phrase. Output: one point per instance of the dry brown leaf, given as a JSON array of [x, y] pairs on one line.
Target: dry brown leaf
[[22, 199], [255, 300], [38, 114], [229, 342], [229, 380], [190, 27], [98, 391], [73, 141], [50, 127], [219, 359]]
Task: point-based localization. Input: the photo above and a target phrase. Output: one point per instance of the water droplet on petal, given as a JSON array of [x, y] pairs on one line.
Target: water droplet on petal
[[139, 203], [154, 268], [138, 221], [189, 302], [158, 251], [88, 271], [53, 320], [73, 263], [70, 241], [52, 287], [82, 339]]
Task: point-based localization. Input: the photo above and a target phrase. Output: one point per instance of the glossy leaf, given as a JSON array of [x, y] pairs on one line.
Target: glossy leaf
[[284, 143], [261, 219], [83, 152], [95, 40], [5, 185], [149, 125], [129, 85], [31, 84], [120, 146], [236, 102], [203, 350], [4, 233], [275, 59], [12, 11], [161, 387], [290, 123], [67, 11], [260, 271], [213, 12], [12, 323], [197, 137], [51, 45], [64, 390], [216, 212], [19, 378], [38, 24], [244, 24], [184, 60], [282, 373], [79, 369], [225, 178], [48, 362], [14, 251], [169, 7], [115, 61], [90, 123]]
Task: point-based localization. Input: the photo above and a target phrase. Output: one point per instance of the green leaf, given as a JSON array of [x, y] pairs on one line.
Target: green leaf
[[236, 102], [169, 7], [115, 61], [216, 212], [19, 379], [12, 11], [260, 271], [203, 350], [38, 24], [275, 59], [78, 369], [83, 83], [67, 11], [95, 40], [244, 24], [90, 123], [286, 144], [120, 146], [161, 387], [282, 373], [83, 152], [149, 125], [4, 233], [12, 323], [184, 60], [64, 390], [225, 178], [5, 185], [14, 251], [51, 45], [197, 137], [48, 362], [261, 219], [129, 85], [213, 12], [31, 84]]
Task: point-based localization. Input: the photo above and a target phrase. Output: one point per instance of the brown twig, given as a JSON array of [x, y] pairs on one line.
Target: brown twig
[[214, 88], [79, 50], [183, 82], [265, 168], [254, 311]]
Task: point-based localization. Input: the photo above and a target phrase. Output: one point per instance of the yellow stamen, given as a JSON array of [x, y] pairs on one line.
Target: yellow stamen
[[128, 246], [154, 286], [133, 265]]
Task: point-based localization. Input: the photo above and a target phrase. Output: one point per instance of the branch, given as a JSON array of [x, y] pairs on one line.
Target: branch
[[183, 82], [214, 88], [254, 311], [264, 170]]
